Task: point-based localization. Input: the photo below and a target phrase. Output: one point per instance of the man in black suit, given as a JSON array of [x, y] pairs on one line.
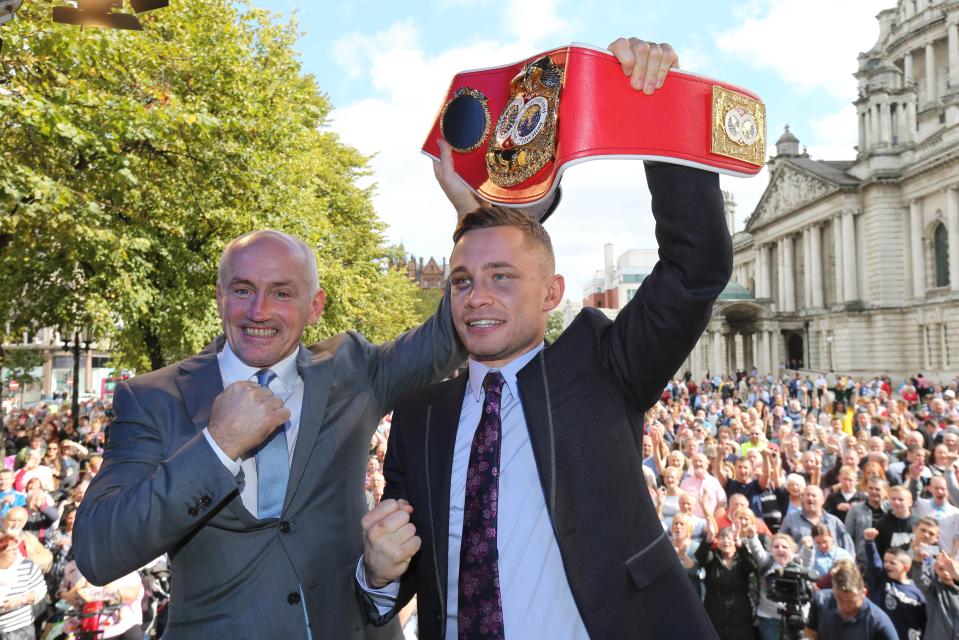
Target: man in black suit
[[536, 522]]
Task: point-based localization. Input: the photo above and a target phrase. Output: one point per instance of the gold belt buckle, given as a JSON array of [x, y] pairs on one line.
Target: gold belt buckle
[[738, 126]]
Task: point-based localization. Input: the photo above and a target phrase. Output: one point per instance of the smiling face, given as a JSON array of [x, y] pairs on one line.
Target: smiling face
[[503, 290], [266, 296]]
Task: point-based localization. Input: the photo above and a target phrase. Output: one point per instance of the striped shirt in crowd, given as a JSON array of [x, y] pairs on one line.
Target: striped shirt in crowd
[[15, 582]]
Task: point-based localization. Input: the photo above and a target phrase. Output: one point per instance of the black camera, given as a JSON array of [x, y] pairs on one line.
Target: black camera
[[791, 586]]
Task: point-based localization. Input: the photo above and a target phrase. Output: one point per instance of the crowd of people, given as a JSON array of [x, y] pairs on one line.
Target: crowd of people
[[768, 484], [49, 462]]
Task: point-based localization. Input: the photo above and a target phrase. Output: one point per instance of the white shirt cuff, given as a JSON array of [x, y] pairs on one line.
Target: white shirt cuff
[[233, 466], [383, 599]]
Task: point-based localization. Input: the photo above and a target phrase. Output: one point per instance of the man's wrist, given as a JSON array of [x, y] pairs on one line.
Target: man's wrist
[[371, 580]]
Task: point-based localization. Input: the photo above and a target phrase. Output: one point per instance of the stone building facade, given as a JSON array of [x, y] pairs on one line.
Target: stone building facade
[[853, 266]]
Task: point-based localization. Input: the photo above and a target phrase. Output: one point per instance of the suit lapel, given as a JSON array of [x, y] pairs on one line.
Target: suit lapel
[[534, 395], [200, 383], [443, 417], [317, 378]]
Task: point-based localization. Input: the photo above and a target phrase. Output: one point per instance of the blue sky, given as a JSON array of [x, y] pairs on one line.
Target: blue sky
[[386, 66]]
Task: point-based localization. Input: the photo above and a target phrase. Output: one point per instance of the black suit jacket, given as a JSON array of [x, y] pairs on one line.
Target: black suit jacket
[[584, 399]]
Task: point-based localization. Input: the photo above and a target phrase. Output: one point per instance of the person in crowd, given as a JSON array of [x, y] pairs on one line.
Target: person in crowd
[[896, 526], [33, 469], [782, 552], [680, 530], [939, 582], [703, 484], [60, 544], [937, 505], [866, 515], [30, 547], [35, 447], [844, 612], [745, 481], [697, 526], [126, 592], [668, 505], [728, 575], [22, 591], [503, 277], [819, 551], [799, 524], [842, 499], [890, 588], [41, 511], [64, 469], [9, 496]]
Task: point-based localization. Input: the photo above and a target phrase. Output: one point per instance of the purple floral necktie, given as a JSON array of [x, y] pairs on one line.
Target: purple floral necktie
[[480, 613]]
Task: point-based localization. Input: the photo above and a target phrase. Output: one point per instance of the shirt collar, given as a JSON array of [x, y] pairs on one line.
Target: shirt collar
[[479, 370], [233, 369]]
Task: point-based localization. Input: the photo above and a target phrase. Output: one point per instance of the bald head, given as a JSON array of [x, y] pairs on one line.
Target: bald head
[[292, 244]]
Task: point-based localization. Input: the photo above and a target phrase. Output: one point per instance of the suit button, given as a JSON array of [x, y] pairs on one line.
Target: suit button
[[205, 501], [293, 598], [193, 511], [284, 526]]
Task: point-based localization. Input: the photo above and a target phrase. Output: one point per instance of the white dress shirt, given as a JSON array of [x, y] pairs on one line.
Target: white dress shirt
[[288, 386]]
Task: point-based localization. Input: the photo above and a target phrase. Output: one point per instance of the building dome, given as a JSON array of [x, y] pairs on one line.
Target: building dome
[[788, 144]]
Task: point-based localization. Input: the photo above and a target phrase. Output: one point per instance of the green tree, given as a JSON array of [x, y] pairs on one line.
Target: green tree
[[19, 365], [132, 158], [554, 325], [426, 302]]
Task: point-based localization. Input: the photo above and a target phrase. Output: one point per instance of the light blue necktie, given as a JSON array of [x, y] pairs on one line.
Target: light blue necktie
[[272, 464]]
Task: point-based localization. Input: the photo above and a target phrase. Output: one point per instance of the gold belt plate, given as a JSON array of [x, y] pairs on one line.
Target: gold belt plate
[[738, 126]]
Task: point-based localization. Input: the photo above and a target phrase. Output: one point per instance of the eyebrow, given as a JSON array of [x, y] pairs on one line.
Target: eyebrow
[[250, 283], [488, 266]]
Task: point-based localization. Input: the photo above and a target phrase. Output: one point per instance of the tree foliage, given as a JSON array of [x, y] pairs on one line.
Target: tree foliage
[[132, 158], [554, 325]]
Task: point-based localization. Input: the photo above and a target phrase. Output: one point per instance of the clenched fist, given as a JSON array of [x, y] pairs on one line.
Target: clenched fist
[[389, 542], [244, 416]]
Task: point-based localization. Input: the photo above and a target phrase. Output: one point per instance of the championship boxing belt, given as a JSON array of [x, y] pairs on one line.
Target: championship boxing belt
[[514, 129]]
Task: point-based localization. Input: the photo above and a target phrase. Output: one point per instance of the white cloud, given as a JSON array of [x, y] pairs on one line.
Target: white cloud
[[532, 20], [810, 43]]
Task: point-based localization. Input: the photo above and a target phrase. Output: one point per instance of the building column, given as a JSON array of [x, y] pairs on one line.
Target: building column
[[952, 227], [815, 249], [915, 248], [953, 44], [806, 272], [768, 270], [774, 352], [781, 269], [789, 265], [850, 283], [715, 362], [753, 352], [930, 74], [739, 350], [907, 77], [885, 123], [837, 251], [763, 351], [911, 120], [761, 271]]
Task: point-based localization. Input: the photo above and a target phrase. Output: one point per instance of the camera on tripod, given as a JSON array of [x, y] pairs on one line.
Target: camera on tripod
[[791, 587]]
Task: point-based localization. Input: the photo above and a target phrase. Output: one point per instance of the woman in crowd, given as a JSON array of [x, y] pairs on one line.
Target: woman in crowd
[[21, 589], [41, 510], [680, 529], [783, 552], [668, 503], [728, 578]]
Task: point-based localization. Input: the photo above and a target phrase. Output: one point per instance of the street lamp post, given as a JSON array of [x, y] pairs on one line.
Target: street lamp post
[[77, 339]]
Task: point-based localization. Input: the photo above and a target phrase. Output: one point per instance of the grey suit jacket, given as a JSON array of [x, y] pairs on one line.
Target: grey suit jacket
[[162, 489]]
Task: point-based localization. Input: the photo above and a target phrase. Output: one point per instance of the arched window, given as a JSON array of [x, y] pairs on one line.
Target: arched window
[[940, 243]]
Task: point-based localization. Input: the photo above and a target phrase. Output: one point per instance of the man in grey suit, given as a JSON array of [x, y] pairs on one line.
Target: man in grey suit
[[246, 462]]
